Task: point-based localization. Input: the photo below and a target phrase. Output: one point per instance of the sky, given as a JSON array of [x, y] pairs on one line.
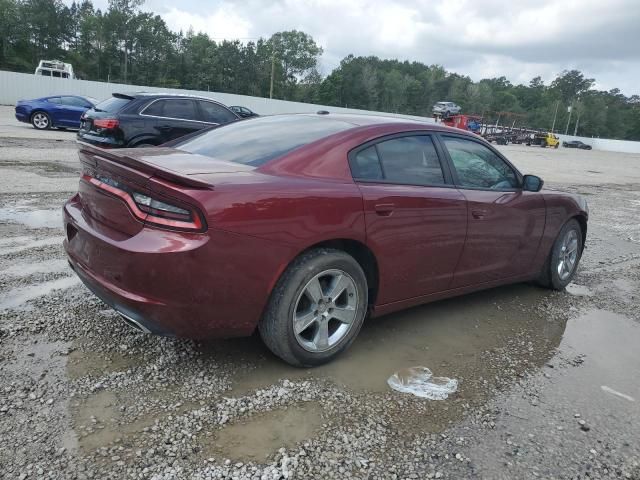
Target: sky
[[518, 39]]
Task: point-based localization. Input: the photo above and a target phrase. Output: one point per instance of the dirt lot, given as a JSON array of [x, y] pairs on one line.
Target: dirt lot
[[549, 382]]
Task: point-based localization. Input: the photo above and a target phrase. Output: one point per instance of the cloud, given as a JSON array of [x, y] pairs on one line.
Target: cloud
[[488, 38], [221, 24]]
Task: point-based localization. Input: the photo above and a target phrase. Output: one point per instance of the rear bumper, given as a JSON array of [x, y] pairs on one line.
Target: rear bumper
[[173, 283], [104, 142]]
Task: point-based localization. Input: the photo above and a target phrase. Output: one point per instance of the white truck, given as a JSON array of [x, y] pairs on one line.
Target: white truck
[[55, 68]]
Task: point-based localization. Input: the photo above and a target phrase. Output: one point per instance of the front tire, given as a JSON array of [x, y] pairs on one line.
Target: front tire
[[564, 257], [41, 121], [316, 309]]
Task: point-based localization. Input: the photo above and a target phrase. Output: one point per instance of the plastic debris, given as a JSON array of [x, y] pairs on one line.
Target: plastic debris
[[419, 381]]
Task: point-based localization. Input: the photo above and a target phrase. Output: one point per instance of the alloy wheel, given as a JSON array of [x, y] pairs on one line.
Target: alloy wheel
[[325, 310], [40, 120], [568, 255]]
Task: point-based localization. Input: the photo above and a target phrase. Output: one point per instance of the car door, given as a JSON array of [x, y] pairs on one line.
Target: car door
[[505, 223], [171, 118], [214, 113], [415, 219], [71, 111]]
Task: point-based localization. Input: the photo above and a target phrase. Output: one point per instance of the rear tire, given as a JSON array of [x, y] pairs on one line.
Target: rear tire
[[556, 145], [41, 121], [305, 332], [562, 263], [543, 144]]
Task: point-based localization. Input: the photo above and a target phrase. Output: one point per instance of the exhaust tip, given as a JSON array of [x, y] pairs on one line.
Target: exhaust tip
[[133, 323]]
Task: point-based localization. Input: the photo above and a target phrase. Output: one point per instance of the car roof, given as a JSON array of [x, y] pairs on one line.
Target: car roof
[[365, 121]]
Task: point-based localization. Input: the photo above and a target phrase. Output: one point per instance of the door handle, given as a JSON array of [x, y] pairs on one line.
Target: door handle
[[164, 128], [384, 209], [479, 213]]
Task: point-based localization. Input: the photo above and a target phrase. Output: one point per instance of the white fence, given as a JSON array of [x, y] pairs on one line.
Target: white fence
[[18, 86]]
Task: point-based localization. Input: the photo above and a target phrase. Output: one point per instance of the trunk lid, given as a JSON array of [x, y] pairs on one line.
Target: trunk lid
[[110, 177]]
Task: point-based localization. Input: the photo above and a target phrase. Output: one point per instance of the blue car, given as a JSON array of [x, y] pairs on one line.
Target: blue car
[[60, 111]]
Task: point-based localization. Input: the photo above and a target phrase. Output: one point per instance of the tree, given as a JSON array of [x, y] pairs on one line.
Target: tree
[[296, 53]]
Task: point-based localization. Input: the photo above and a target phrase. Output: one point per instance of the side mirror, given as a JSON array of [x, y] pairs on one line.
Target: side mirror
[[532, 183]]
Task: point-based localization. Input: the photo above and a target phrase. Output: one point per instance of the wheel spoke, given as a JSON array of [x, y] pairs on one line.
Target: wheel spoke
[[339, 285], [304, 321], [344, 315], [321, 340], [314, 290]]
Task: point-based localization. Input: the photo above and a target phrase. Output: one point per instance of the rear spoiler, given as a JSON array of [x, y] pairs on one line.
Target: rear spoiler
[[90, 153], [123, 96]]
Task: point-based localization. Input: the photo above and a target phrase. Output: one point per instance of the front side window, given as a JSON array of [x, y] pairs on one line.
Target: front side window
[[410, 160], [478, 167], [214, 113]]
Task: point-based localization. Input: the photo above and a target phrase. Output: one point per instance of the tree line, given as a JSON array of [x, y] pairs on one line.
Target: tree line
[[125, 44]]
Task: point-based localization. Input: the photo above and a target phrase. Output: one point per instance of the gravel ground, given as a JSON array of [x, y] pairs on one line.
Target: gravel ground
[[549, 382]]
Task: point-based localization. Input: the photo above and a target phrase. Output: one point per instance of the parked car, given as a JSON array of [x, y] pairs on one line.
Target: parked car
[[301, 225], [244, 112], [61, 111], [576, 144], [544, 139], [149, 119], [444, 109]]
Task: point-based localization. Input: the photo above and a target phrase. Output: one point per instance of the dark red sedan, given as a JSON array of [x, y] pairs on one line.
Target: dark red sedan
[[301, 225]]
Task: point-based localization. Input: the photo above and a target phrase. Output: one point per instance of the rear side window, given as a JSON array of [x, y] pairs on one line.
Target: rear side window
[[262, 139], [74, 101], [54, 100], [410, 160], [366, 165], [112, 105], [214, 113], [182, 108]]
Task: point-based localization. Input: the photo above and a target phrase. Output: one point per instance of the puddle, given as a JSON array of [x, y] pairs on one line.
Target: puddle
[[32, 244], [13, 240], [259, 436], [578, 290], [98, 421], [449, 336], [92, 363], [610, 373], [32, 218], [23, 270], [18, 297], [82, 362]]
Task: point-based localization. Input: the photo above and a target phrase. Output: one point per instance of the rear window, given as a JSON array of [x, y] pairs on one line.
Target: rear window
[[112, 105], [256, 141]]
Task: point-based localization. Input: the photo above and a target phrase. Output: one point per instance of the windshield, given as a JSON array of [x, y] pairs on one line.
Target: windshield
[[256, 141]]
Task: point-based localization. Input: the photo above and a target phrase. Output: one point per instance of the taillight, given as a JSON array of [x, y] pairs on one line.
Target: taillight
[[149, 209], [106, 123]]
